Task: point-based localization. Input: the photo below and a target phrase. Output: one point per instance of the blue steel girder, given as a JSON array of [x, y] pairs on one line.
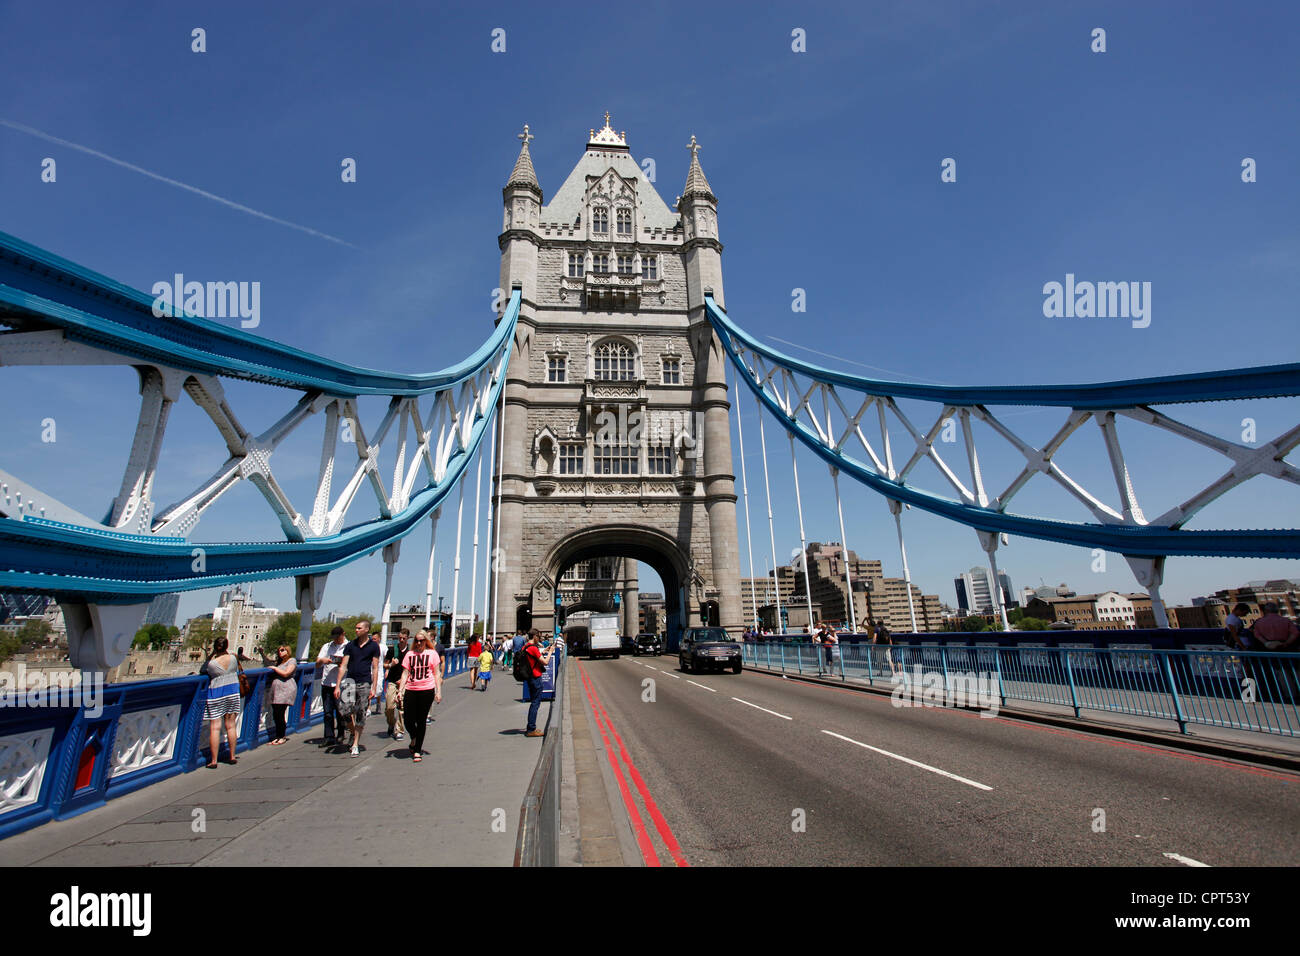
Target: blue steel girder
[[770, 375], [43, 294]]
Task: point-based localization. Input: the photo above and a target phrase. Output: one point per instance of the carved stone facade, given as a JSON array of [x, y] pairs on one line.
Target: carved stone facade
[[617, 438]]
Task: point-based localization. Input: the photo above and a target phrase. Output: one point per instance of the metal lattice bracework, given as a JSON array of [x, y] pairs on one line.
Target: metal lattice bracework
[[833, 413], [104, 572]]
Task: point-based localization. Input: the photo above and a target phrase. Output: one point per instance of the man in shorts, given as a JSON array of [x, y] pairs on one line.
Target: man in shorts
[[359, 682]]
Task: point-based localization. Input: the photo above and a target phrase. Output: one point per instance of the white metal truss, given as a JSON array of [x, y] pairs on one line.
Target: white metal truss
[[422, 434]]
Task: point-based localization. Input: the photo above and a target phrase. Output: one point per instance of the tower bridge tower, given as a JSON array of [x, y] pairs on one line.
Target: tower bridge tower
[[616, 439]]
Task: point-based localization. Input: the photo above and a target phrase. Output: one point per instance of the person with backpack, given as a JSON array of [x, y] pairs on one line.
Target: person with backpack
[[530, 665], [393, 694]]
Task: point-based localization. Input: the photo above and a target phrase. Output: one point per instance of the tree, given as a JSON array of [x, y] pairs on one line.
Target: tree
[[152, 636], [34, 631], [284, 630], [203, 632], [1014, 615], [9, 644], [1032, 624], [973, 624]]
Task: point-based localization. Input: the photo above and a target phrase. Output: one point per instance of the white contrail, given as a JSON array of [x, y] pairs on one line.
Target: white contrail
[[173, 182]]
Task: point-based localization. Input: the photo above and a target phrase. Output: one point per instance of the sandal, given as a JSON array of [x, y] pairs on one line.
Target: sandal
[[416, 757], [212, 766]]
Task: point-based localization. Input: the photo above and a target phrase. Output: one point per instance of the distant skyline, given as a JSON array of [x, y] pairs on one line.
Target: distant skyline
[[828, 164]]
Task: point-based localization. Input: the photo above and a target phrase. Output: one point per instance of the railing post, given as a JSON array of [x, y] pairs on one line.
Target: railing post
[[997, 662], [783, 657], [1173, 690], [769, 654], [943, 663], [839, 648], [1069, 675]]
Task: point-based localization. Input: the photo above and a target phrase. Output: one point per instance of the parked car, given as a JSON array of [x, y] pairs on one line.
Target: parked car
[[709, 647], [647, 643]]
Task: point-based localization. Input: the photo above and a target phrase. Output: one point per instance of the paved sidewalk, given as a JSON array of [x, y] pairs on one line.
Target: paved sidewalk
[[281, 806]]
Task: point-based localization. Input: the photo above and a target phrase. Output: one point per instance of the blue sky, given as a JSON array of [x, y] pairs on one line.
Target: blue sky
[[1123, 165]]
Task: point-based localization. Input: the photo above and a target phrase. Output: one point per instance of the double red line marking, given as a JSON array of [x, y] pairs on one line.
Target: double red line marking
[[643, 840]]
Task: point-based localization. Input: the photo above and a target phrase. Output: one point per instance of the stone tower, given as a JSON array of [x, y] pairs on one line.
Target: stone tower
[[616, 441]]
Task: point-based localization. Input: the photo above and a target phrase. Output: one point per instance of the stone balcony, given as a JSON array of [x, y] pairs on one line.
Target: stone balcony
[[619, 289]]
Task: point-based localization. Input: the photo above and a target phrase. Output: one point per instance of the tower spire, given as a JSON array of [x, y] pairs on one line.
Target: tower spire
[[523, 173], [696, 184]]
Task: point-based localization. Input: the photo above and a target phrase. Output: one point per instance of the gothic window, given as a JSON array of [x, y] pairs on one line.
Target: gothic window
[[649, 267], [575, 265], [599, 219], [625, 265], [659, 459], [571, 458], [672, 371], [614, 362], [615, 459], [556, 368], [623, 220], [600, 262]]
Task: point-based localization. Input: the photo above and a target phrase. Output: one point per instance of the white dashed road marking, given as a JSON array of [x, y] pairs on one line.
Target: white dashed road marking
[[1185, 860], [709, 689], [914, 763], [763, 709]]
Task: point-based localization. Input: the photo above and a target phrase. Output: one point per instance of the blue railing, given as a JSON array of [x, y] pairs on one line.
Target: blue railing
[[59, 761], [1210, 686]]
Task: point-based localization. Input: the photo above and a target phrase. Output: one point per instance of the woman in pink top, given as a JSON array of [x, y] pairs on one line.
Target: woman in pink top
[[419, 687]]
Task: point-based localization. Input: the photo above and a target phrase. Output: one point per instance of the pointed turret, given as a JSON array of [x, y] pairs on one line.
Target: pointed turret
[[696, 184], [522, 198], [523, 173]]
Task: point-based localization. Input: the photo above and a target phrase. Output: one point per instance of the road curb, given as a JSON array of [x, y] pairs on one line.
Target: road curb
[[1258, 755]]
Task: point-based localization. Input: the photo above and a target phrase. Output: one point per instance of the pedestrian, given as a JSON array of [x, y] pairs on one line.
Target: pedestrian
[[1275, 632], [329, 658], [359, 677], [829, 640], [392, 696], [882, 636], [471, 655], [1238, 634], [540, 658], [224, 702], [419, 687], [284, 690], [485, 668]]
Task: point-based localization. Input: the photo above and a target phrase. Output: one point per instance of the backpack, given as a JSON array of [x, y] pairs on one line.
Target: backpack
[[523, 667]]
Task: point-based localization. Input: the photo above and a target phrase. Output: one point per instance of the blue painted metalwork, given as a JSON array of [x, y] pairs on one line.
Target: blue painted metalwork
[[77, 728], [40, 290], [1129, 539], [1255, 691]]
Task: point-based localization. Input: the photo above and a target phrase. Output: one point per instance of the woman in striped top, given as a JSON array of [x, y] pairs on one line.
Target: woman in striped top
[[224, 701]]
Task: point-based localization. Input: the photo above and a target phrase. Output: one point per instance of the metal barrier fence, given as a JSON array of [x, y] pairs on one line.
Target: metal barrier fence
[[539, 816], [66, 752], [1211, 686]]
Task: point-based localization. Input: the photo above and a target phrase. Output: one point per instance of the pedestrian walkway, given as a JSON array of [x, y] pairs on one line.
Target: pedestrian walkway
[[300, 805]]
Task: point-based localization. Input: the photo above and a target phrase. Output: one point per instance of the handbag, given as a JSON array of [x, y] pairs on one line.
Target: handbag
[[245, 687]]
